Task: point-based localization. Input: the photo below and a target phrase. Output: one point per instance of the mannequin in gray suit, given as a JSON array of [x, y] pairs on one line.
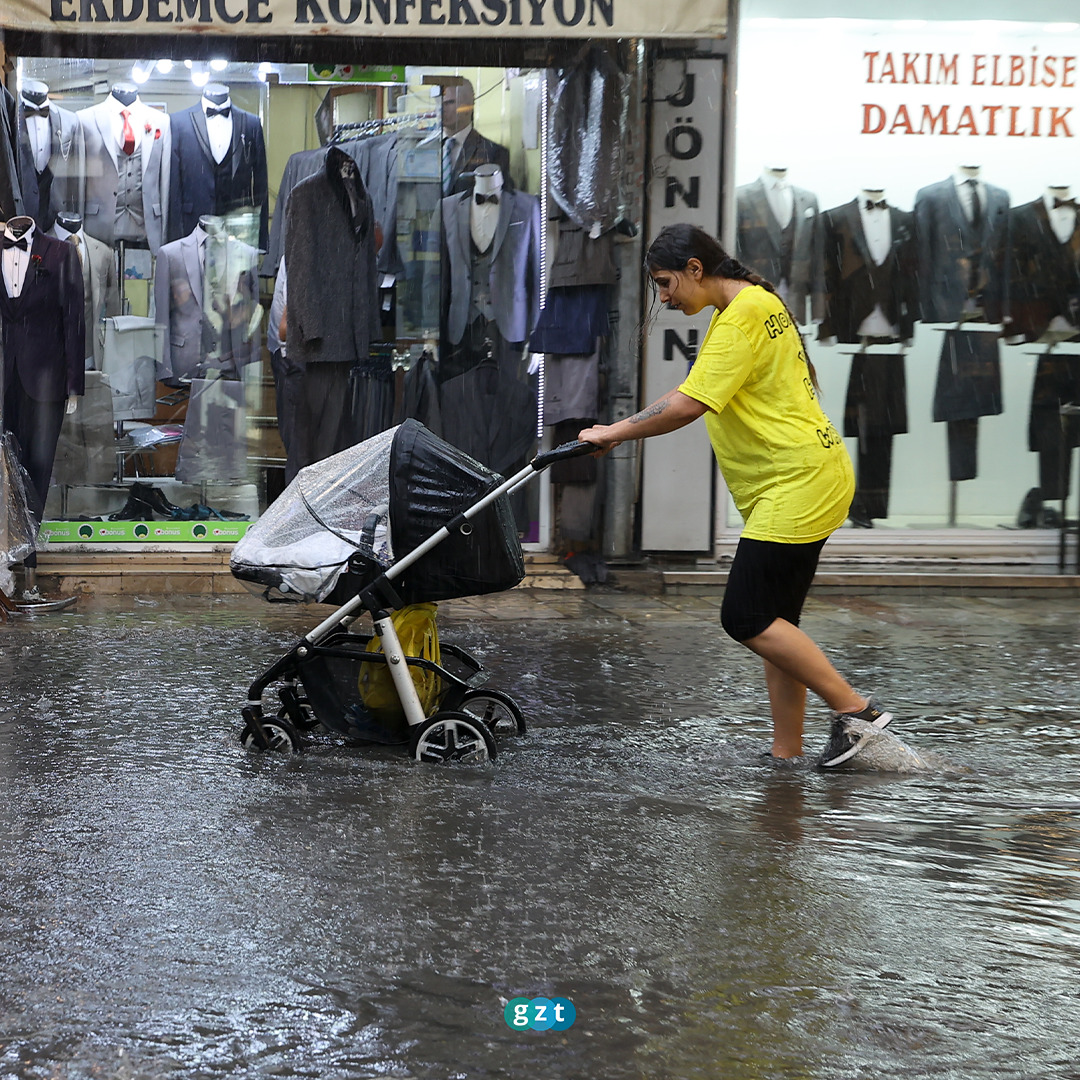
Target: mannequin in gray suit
[[215, 328], [127, 169], [779, 234], [962, 232], [492, 278], [101, 292], [51, 158]]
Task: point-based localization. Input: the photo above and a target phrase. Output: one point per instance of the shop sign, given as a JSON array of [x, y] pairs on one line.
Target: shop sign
[[143, 532], [375, 18], [685, 187]]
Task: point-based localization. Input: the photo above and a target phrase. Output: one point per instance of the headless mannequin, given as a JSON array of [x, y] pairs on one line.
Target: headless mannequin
[[16, 229], [484, 216]]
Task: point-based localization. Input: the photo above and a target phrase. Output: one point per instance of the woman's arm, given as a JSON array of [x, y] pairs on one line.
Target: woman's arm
[[669, 413]]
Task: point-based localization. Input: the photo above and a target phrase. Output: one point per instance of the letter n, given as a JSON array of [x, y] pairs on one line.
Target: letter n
[[688, 348], [691, 197]]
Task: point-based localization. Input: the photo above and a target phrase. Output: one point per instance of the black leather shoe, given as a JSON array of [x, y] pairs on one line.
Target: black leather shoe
[[133, 510], [154, 497]]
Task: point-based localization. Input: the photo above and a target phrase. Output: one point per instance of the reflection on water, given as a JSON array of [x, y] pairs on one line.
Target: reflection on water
[[174, 906]]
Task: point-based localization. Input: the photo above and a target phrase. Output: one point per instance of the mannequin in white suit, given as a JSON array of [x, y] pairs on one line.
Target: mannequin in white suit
[[128, 147]]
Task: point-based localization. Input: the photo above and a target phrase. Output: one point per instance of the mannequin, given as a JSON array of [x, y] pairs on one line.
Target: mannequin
[[962, 228], [464, 148], [779, 234], [101, 292], [128, 148], [217, 165], [41, 313], [51, 157], [1044, 296], [206, 293], [871, 306]]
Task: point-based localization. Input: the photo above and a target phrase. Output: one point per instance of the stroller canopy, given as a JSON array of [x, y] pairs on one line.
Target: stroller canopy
[[374, 503]]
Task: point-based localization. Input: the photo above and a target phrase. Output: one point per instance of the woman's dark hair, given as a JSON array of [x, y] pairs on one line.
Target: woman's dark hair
[[676, 245]]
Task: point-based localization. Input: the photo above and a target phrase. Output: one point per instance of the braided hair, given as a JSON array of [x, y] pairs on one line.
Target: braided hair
[[676, 245]]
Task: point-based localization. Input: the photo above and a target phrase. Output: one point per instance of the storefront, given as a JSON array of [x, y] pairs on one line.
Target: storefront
[[910, 183], [459, 215]]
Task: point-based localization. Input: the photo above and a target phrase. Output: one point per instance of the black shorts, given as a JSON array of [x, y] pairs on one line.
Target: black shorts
[[767, 581]]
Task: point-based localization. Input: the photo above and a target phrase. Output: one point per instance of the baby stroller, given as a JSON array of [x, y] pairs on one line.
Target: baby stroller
[[360, 529]]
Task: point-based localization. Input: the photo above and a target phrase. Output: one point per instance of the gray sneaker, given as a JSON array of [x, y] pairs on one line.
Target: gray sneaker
[[843, 742]]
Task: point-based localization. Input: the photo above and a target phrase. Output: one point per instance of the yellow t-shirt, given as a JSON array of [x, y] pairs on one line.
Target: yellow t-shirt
[[784, 463]]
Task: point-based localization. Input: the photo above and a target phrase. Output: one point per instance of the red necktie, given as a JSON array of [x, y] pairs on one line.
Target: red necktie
[[128, 134]]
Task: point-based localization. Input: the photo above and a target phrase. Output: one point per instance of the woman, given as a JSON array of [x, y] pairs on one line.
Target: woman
[[784, 463]]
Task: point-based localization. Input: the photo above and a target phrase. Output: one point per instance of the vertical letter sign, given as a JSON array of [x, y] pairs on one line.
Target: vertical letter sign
[[676, 508]]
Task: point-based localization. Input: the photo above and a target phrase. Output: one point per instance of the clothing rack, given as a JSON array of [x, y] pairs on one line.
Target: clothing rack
[[360, 128]]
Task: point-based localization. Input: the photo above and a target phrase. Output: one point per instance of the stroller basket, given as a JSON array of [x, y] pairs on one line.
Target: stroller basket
[[344, 520]]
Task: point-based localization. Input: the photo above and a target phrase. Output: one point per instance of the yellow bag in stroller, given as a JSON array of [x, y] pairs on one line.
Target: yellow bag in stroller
[[419, 636]]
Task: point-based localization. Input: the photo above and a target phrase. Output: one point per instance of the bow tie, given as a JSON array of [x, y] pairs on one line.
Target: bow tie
[[481, 199], [7, 242], [1064, 202], [879, 205], [36, 110], [223, 111]]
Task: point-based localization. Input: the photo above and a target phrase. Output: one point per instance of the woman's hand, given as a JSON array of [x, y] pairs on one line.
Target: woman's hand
[[600, 435]]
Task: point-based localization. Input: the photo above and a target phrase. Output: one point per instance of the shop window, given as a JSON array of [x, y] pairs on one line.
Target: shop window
[[278, 261]]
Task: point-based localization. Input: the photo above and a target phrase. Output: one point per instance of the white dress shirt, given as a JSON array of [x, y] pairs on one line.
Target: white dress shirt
[[219, 129], [17, 262], [1062, 218], [964, 191], [877, 230], [781, 198], [39, 132]]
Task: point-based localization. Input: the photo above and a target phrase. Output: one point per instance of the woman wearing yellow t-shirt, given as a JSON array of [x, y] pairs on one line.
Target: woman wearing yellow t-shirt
[[784, 464]]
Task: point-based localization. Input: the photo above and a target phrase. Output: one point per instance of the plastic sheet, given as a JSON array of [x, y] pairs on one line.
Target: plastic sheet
[[18, 530], [588, 122], [374, 503]]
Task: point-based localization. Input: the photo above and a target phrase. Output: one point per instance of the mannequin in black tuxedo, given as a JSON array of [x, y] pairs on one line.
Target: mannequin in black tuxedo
[[51, 156], [871, 298], [962, 229], [464, 148], [1044, 302], [218, 164], [41, 312]]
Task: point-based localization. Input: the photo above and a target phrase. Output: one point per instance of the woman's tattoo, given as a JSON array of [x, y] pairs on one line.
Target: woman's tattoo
[[655, 409]]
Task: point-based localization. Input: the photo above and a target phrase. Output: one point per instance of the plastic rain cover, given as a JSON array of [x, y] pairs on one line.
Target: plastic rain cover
[[17, 528], [331, 511]]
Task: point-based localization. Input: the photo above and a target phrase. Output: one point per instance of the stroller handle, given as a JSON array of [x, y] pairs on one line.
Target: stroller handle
[[573, 449]]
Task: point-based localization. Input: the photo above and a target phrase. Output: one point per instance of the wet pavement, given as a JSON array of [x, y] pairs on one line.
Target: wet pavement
[[172, 905]]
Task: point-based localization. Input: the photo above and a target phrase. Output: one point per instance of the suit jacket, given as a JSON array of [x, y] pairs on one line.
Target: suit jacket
[[758, 244], [101, 293], [191, 182], [855, 284], [43, 332], [300, 166], [102, 177], [197, 336], [477, 151], [1045, 277], [515, 265], [333, 309], [62, 186], [11, 200], [947, 243]]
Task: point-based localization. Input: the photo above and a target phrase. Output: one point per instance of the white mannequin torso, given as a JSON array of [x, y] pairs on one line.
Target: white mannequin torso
[[484, 217]]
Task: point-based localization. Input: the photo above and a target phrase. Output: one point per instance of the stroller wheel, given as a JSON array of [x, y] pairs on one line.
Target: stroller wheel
[[283, 737], [452, 736], [499, 711]]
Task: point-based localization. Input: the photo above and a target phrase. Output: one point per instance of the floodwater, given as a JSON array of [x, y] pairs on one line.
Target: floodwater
[[172, 905]]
